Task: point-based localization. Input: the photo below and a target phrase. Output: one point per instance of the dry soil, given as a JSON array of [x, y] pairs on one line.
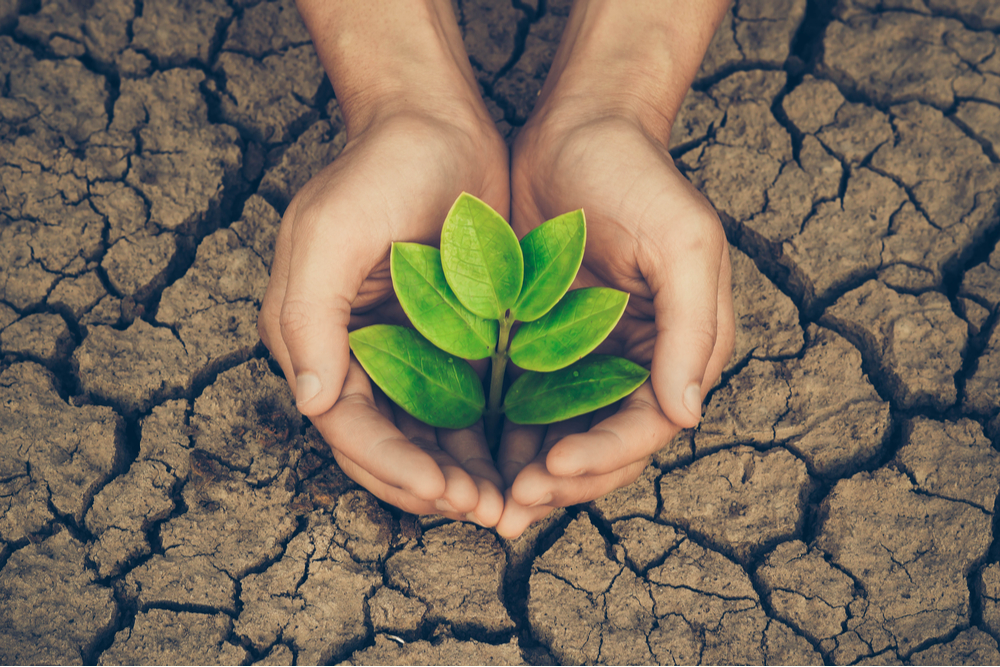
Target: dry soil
[[161, 500]]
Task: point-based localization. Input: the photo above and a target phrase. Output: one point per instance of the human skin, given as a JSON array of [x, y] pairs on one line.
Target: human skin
[[418, 135], [597, 139]]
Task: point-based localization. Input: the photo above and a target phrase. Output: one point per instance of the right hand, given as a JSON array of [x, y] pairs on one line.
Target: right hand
[[394, 181], [651, 234]]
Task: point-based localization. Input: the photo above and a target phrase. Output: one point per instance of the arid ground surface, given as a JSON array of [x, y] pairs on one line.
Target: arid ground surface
[[162, 501]]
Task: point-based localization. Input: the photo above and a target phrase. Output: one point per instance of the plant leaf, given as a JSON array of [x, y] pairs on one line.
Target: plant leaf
[[435, 311], [481, 258], [552, 253], [578, 324], [589, 384], [433, 386]]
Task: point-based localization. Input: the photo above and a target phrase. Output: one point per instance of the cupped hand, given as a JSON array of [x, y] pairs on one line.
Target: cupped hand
[[394, 181], [649, 233], [374, 440]]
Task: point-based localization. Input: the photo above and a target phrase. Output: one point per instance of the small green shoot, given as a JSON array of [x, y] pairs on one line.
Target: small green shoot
[[463, 302]]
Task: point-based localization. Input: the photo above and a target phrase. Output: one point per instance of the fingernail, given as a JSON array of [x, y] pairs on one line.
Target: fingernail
[[544, 500], [307, 386], [471, 516], [442, 505], [692, 399]]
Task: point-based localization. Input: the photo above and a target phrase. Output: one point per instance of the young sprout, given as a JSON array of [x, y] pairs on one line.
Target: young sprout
[[463, 301]]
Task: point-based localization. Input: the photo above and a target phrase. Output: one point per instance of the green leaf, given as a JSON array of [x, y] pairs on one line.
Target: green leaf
[[481, 258], [589, 384], [578, 324], [552, 253], [435, 311], [433, 386]]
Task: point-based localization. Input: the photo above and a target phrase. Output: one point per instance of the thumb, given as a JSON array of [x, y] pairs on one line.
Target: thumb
[[315, 312], [685, 301]]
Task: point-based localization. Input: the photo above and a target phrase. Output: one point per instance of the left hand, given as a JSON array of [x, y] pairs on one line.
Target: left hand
[[649, 233]]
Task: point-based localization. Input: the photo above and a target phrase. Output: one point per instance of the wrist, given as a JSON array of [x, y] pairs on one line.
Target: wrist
[[635, 60], [391, 57]]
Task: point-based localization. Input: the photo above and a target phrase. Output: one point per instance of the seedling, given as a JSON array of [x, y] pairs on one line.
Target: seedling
[[464, 301]]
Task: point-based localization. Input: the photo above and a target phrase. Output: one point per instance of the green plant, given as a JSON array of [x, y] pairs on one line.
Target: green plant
[[464, 301]]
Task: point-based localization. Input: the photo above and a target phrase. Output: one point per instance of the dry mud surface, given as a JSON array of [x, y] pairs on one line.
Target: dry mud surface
[[162, 501]]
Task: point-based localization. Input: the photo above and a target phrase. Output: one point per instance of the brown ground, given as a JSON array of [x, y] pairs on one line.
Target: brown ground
[[162, 501]]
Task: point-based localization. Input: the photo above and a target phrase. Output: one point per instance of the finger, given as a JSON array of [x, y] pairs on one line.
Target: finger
[[559, 430], [468, 447], [532, 497], [393, 495], [726, 331], [685, 284], [536, 487], [532, 482], [638, 429], [603, 413], [461, 493], [356, 428], [382, 401], [516, 517], [489, 509], [316, 307], [270, 308], [519, 445]]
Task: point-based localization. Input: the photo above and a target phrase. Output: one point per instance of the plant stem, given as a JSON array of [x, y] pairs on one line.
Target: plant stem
[[498, 366]]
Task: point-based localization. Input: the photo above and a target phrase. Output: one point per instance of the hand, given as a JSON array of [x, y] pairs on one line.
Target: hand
[[390, 442], [418, 135], [394, 181], [652, 234]]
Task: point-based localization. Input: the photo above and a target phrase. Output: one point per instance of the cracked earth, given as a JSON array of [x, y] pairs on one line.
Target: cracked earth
[[162, 501]]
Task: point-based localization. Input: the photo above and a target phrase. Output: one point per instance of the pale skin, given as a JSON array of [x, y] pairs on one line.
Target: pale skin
[[418, 135]]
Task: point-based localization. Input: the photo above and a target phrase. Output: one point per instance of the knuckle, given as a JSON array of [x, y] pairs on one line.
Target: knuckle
[[296, 319], [705, 330], [702, 337], [703, 237]]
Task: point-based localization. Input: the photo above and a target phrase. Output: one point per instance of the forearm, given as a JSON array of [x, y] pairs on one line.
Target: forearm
[[386, 56], [637, 57]]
